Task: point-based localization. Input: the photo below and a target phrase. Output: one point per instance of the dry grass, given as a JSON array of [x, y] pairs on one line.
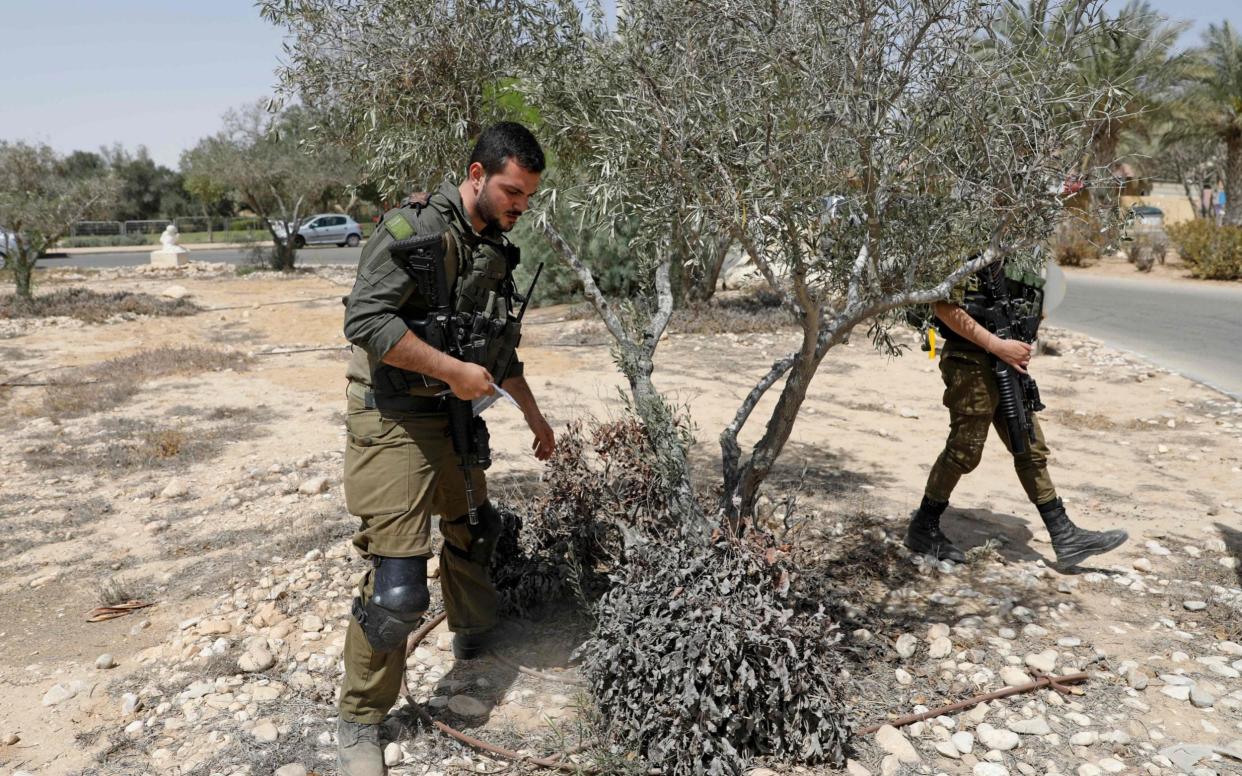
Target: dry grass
[[117, 591], [756, 311], [102, 386], [92, 306], [1093, 421]]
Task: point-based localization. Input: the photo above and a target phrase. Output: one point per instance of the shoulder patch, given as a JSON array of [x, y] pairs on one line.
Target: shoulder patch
[[398, 227]]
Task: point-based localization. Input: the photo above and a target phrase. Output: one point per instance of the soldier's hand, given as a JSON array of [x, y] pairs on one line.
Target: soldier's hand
[[545, 438], [470, 381], [1015, 353]]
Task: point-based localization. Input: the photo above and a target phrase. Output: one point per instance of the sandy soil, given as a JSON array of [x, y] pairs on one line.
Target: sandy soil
[[1134, 447]]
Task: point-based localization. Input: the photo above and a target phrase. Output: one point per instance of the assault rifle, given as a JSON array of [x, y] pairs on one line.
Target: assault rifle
[[422, 257], [1019, 395]]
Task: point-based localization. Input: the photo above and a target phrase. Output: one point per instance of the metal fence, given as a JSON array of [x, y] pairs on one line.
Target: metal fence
[[96, 228], [155, 226]]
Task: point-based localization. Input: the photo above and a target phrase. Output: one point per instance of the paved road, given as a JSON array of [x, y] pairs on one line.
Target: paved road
[[1191, 328], [312, 255]]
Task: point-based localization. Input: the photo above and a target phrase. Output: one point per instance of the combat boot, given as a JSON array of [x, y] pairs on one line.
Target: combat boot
[[1072, 544], [358, 750], [469, 646], [924, 535]]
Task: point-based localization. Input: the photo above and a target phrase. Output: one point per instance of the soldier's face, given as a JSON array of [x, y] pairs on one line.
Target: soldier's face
[[504, 196]]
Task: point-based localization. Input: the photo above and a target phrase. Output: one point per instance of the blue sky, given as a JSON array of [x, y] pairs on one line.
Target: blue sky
[[159, 73]]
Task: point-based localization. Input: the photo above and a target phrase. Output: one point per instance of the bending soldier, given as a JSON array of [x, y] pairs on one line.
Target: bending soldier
[[974, 401], [400, 462]]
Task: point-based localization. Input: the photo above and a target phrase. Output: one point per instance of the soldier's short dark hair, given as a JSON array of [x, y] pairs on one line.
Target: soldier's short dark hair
[[503, 141]]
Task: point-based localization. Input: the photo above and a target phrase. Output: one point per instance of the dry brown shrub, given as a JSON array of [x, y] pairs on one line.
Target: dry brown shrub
[[109, 384], [93, 306]]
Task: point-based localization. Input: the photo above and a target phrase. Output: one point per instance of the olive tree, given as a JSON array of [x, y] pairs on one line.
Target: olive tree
[[866, 156], [261, 157], [39, 203]]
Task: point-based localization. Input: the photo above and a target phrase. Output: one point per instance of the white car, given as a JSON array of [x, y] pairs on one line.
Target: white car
[[8, 244], [325, 228]]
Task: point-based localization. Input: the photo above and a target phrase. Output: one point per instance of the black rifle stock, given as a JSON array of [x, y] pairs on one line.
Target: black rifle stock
[[422, 257]]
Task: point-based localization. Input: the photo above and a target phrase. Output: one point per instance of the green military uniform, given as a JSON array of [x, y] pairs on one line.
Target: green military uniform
[[400, 467], [973, 400]]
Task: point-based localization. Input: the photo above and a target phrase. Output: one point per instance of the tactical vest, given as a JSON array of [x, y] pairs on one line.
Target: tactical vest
[[1026, 302], [481, 287]]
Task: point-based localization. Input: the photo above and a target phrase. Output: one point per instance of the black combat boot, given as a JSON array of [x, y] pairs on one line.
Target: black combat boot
[[924, 536], [469, 646], [1072, 544]]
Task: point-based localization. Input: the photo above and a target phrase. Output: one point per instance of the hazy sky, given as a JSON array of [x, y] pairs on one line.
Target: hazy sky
[[159, 73]]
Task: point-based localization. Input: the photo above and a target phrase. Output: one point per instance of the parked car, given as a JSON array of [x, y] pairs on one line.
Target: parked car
[[8, 244], [1147, 216], [325, 228]]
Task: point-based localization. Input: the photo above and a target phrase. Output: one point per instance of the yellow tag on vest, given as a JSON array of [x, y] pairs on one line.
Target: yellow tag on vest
[[931, 340], [398, 227]]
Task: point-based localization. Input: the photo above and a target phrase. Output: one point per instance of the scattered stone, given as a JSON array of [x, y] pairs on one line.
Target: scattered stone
[[313, 486], [1085, 738], [906, 644], [1194, 606], [292, 769], [940, 648], [1176, 691], [255, 660], [989, 769], [392, 754], [903, 677], [135, 727], [1013, 676], [1088, 769], [10, 739], [1137, 679], [947, 749], [1142, 564], [1045, 661], [964, 741], [996, 738], [854, 768], [467, 706], [174, 489], [311, 623], [104, 662], [894, 742], [175, 292], [1201, 698], [1036, 726], [59, 693], [265, 731]]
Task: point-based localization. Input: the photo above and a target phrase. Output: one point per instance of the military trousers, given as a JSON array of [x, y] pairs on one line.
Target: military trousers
[[973, 400], [400, 472]]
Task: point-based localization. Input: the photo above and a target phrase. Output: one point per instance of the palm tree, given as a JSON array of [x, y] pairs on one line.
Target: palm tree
[[1217, 97]]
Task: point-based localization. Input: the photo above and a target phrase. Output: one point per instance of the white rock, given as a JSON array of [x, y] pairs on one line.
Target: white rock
[[940, 648], [467, 706], [1201, 698], [1033, 631], [265, 731], [292, 769], [1142, 564], [989, 769], [903, 677], [947, 749], [255, 660], [1137, 679], [1194, 606], [1045, 661], [1087, 769], [1013, 676], [894, 742], [175, 292], [130, 703], [854, 768], [1176, 692], [906, 644], [59, 693], [1036, 726], [311, 623], [174, 489], [1085, 738], [996, 738], [392, 754], [104, 662], [1109, 765], [963, 740], [314, 486], [937, 630], [135, 727]]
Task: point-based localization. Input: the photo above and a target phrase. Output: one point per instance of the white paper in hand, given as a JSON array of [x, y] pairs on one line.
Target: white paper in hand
[[483, 402]]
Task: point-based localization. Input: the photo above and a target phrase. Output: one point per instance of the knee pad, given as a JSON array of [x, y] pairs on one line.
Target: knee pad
[[399, 599], [483, 535]]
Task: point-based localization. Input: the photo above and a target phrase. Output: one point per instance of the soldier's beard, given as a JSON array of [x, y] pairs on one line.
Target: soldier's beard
[[488, 211]]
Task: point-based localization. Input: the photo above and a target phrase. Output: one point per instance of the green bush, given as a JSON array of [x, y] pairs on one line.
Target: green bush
[[1210, 251]]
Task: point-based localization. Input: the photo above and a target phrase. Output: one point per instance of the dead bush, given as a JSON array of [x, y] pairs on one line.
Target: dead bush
[[1073, 246], [117, 591], [93, 306]]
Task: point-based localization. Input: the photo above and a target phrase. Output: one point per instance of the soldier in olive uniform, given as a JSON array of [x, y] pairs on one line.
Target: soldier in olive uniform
[[973, 399], [400, 466]]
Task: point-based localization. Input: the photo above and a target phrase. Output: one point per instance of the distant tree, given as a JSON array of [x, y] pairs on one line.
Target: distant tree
[[83, 164], [148, 190], [38, 203], [259, 157], [1216, 98], [208, 192]]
